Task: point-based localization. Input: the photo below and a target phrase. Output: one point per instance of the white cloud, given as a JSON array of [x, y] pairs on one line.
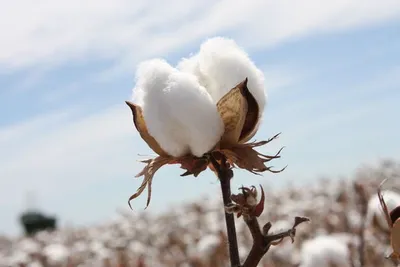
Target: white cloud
[[46, 31], [52, 153]]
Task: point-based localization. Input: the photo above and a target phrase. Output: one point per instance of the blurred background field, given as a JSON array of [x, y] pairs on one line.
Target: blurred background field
[[347, 229]]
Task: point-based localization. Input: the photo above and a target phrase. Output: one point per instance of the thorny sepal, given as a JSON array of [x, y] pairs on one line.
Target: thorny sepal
[[244, 156], [240, 155], [245, 203], [193, 166]]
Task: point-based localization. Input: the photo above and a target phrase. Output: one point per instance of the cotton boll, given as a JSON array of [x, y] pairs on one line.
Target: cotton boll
[[392, 200], [220, 65], [179, 113], [325, 251], [56, 253], [207, 244], [35, 264], [29, 246], [18, 257]]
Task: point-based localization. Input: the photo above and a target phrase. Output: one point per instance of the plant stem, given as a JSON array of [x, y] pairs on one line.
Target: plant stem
[[262, 241], [225, 174], [259, 247]]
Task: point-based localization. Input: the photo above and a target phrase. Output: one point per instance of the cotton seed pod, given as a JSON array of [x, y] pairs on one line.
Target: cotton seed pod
[[393, 220]]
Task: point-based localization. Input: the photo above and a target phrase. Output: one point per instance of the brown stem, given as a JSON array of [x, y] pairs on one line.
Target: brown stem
[[363, 202], [225, 174], [262, 241], [259, 247]]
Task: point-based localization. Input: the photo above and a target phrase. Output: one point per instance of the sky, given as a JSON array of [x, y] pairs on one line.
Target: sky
[[67, 142]]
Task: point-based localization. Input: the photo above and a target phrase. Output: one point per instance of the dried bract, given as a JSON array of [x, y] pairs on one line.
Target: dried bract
[[246, 204]]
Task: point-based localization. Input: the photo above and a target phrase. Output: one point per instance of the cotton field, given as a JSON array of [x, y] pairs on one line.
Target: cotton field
[[347, 229]]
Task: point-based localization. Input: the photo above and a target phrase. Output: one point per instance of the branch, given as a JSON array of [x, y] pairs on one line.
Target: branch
[[225, 174], [262, 241]]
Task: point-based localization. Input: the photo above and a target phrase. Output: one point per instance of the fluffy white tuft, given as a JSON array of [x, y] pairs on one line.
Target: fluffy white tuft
[[325, 251], [220, 65], [180, 114], [56, 253]]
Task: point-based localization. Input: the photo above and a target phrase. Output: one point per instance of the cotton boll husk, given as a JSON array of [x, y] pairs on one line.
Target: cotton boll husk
[[220, 65], [179, 113]]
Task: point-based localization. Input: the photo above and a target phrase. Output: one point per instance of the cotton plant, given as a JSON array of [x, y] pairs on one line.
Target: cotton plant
[[202, 114], [205, 108]]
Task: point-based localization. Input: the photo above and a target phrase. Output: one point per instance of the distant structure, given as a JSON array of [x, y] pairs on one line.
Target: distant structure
[[34, 221]]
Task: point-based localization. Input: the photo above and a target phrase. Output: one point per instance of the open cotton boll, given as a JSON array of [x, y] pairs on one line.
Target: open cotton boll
[[207, 244], [392, 200], [56, 253], [35, 264], [29, 246], [220, 65], [325, 251], [179, 113]]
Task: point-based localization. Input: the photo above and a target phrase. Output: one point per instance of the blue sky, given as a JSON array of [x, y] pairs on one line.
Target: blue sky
[[332, 77]]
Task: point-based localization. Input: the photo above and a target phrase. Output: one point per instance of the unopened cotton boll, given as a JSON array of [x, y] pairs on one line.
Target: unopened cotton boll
[[220, 65], [178, 111]]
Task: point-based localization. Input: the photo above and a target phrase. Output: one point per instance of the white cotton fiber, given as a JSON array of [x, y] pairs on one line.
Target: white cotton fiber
[[179, 113], [56, 253], [220, 65], [325, 251]]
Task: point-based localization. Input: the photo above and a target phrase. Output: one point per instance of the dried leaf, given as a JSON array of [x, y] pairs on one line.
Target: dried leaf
[[239, 199], [192, 165], [141, 127], [148, 172], [299, 220], [232, 108]]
